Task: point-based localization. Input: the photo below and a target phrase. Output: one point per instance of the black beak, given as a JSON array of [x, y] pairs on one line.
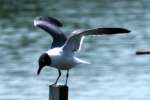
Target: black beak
[[39, 70]]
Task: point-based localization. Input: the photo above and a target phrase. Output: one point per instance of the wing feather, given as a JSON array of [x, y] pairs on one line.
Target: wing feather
[[51, 26], [104, 31], [75, 41]]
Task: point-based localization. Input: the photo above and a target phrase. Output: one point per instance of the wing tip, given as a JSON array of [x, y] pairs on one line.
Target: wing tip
[[51, 20], [55, 21], [126, 30], [142, 52], [121, 30]]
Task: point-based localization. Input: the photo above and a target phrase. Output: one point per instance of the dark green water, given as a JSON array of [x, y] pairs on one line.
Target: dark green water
[[116, 73]]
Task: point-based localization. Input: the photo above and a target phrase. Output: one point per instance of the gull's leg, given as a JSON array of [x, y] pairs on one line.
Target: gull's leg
[[67, 75], [59, 72]]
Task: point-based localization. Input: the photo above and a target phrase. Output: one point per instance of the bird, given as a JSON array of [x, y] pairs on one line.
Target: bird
[[62, 53]]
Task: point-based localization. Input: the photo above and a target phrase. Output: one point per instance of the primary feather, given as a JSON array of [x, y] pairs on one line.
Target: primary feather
[[74, 42], [51, 26]]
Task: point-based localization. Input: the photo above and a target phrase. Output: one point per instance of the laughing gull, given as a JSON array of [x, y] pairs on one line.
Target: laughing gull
[[61, 55]]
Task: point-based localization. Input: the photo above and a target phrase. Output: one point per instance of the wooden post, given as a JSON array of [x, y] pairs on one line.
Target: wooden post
[[58, 92]]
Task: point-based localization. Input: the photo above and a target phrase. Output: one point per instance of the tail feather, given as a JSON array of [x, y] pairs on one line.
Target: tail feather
[[85, 62], [82, 61]]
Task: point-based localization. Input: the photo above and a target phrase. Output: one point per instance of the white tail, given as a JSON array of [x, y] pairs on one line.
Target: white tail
[[82, 61]]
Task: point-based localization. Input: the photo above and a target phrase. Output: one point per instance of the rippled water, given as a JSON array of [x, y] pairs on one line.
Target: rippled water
[[116, 73]]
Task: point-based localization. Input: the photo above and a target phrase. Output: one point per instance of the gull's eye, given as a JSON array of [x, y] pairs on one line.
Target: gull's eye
[[43, 60], [40, 18]]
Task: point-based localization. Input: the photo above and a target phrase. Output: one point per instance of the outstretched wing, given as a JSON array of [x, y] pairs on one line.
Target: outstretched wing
[[104, 31], [75, 41], [51, 26]]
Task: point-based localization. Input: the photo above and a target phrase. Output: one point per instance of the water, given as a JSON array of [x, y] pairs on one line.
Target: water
[[115, 73]]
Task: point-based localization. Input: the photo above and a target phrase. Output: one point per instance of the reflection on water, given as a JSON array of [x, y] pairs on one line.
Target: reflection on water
[[115, 73]]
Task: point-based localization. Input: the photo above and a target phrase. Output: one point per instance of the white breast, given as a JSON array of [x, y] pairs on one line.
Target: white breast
[[61, 60]]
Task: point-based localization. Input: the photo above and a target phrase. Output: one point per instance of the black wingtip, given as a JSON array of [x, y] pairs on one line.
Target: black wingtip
[[143, 53], [50, 20], [126, 30], [110, 31], [55, 21], [120, 30]]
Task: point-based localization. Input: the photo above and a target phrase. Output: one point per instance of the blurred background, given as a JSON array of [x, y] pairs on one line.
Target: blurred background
[[116, 73]]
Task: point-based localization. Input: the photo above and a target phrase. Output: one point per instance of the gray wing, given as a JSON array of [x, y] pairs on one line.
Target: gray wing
[[105, 31], [75, 41], [51, 26]]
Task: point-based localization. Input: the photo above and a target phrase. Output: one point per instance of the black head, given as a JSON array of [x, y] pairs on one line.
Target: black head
[[44, 60], [48, 20]]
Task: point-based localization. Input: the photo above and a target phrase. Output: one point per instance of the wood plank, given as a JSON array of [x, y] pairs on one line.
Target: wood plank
[[58, 92]]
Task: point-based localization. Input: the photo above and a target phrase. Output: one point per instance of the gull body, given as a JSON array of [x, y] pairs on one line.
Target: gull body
[[62, 54], [63, 60]]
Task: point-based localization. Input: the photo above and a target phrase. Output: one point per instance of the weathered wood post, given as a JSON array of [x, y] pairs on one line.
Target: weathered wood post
[[58, 92]]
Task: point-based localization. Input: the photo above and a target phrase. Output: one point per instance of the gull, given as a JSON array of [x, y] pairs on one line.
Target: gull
[[62, 53]]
